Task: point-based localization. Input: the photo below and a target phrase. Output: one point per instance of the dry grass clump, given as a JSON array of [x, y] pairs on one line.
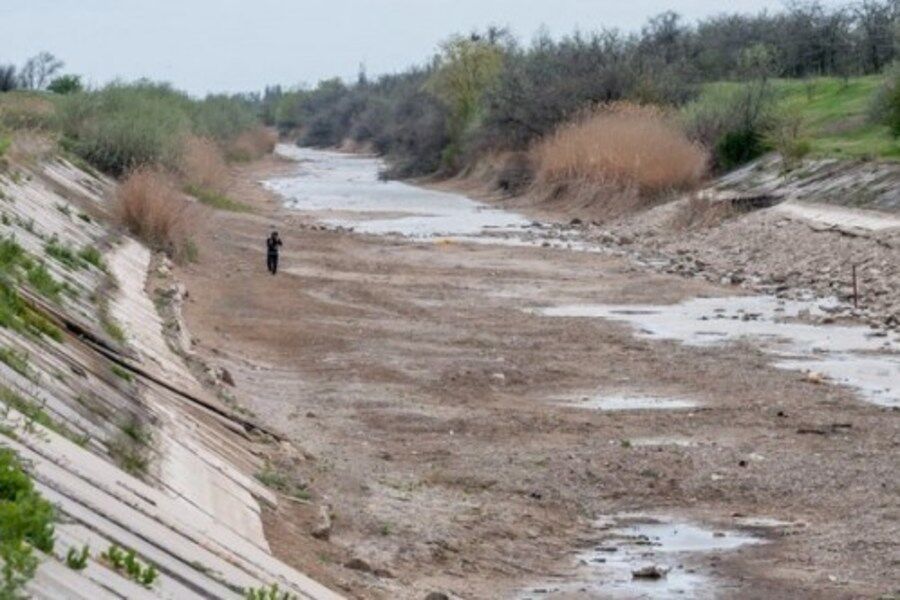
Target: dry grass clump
[[622, 146], [152, 207], [251, 144], [202, 164]]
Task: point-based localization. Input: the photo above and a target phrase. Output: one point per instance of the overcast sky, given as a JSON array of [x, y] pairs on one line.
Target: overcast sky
[[240, 45]]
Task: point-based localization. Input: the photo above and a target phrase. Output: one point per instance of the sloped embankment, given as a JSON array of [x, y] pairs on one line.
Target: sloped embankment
[[761, 228], [135, 454]]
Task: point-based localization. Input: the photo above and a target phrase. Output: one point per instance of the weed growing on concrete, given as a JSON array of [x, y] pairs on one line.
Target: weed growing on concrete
[[35, 413], [122, 373], [129, 448], [128, 562], [17, 361], [91, 255], [64, 254], [77, 559], [269, 593]]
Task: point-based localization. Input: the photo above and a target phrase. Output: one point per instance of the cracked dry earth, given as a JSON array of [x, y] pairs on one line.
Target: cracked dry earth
[[434, 406]]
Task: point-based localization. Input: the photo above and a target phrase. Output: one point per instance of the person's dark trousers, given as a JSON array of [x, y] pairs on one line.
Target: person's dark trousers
[[272, 263]]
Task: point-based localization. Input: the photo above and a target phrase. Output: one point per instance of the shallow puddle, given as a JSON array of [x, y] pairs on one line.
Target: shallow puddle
[[623, 403], [607, 570], [849, 355], [663, 441], [332, 181]]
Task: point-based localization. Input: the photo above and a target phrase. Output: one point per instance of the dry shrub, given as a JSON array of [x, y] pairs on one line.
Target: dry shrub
[[251, 144], [624, 147], [202, 164], [152, 207]]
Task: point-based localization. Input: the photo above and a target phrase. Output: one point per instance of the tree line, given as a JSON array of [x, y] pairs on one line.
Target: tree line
[[488, 91]]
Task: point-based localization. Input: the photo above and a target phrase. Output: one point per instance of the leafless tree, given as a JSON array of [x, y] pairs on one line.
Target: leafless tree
[[38, 70]]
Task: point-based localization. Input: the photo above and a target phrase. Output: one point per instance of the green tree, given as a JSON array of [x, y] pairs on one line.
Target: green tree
[[65, 84], [465, 69]]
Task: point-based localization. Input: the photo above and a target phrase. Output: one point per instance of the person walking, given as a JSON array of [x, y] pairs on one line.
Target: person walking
[[273, 243]]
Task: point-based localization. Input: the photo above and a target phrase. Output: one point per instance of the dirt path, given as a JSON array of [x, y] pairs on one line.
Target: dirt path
[[429, 396]]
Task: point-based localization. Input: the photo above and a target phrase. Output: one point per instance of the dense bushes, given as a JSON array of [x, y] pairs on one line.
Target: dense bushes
[[394, 115], [127, 126], [222, 118], [124, 127]]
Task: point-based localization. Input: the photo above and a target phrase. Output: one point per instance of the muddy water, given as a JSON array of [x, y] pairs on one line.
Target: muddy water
[[632, 542], [344, 190], [850, 355]]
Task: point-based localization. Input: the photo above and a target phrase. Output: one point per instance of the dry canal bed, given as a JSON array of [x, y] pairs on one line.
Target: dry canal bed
[[431, 382]]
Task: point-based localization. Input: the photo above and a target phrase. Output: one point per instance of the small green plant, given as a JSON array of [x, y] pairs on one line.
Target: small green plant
[[129, 447], [283, 483], [26, 522], [126, 561], [35, 413], [114, 330], [11, 254], [38, 324], [115, 556], [17, 361], [269, 593], [109, 324], [122, 373], [64, 209], [77, 559], [91, 255], [148, 576], [85, 217], [63, 253], [40, 279], [5, 143], [132, 565], [386, 529]]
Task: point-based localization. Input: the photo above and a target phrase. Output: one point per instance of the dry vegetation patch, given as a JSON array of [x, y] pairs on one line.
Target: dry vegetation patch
[[622, 145], [152, 207], [202, 164], [251, 144]]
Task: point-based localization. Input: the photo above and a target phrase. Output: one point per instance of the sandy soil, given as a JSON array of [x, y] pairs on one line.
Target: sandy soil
[[426, 394]]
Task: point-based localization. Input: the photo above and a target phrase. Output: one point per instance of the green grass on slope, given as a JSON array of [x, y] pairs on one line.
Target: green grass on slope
[[835, 115]]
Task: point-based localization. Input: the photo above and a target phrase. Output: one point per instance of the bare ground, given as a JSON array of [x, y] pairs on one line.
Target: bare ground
[[425, 395]]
